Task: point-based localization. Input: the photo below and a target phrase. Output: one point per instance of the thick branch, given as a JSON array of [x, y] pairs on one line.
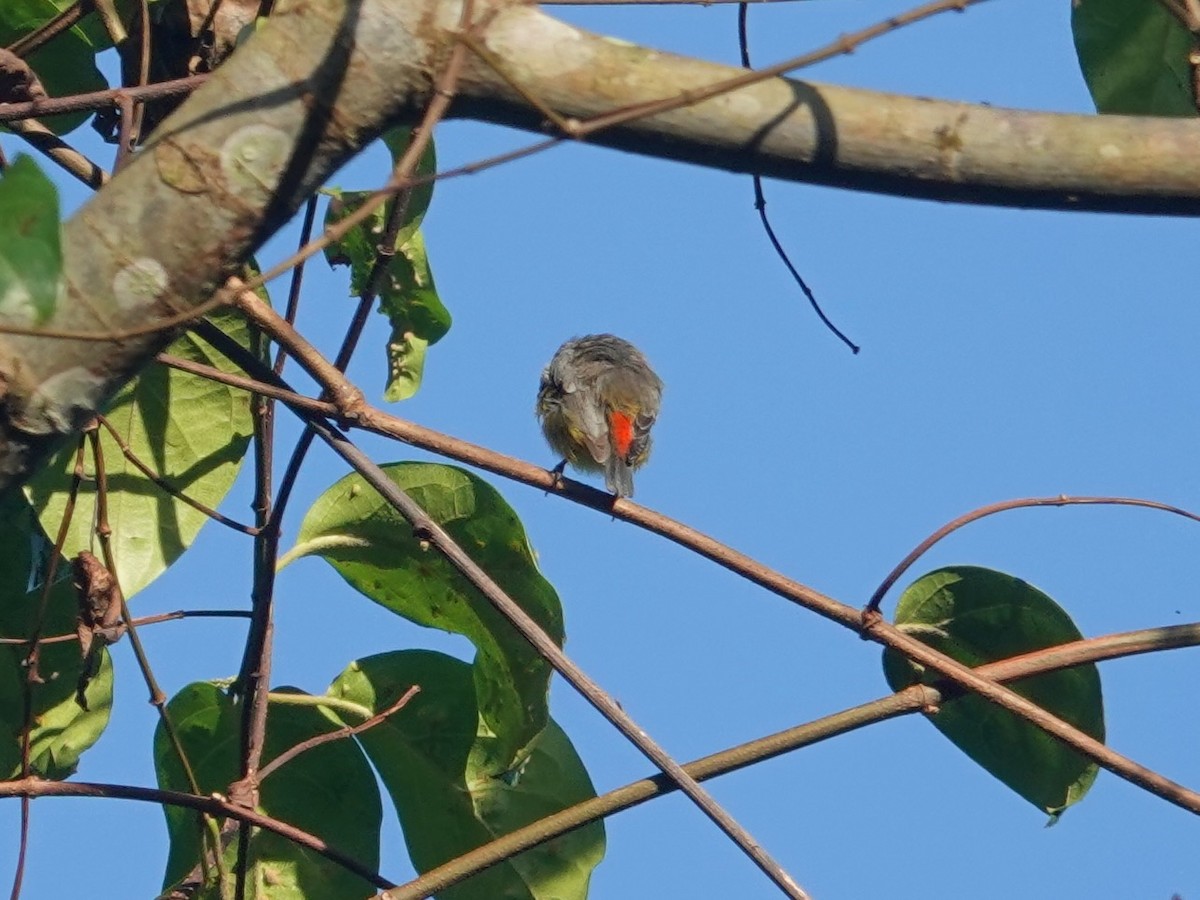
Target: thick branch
[[843, 137]]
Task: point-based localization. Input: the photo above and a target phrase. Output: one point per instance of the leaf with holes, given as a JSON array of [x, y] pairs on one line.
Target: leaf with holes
[[977, 616], [407, 294], [357, 532], [431, 756]]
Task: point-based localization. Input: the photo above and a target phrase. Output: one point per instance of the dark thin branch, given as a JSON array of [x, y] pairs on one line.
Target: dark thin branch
[[760, 203], [110, 97], [43, 34], [144, 620], [158, 699], [297, 279]]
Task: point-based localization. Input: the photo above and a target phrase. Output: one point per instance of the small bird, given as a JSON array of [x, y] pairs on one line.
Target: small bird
[[597, 401]]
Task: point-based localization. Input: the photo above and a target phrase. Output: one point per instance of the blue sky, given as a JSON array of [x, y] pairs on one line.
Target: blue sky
[[1005, 353]]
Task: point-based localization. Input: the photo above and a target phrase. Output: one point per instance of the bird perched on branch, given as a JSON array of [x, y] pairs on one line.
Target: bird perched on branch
[[597, 401]]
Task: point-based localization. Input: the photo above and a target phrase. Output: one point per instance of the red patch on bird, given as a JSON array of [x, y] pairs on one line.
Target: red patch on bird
[[621, 427]]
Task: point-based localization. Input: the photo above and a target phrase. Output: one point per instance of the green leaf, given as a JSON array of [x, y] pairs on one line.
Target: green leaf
[[189, 430], [977, 616], [429, 756], [65, 65], [407, 295], [373, 548], [328, 790], [62, 729], [397, 140], [30, 249], [1134, 57]]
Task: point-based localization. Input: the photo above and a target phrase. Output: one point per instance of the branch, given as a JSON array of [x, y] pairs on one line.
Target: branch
[[842, 137], [215, 805], [912, 699]]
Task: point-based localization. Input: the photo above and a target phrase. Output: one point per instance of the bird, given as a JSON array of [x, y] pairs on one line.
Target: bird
[[597, 402]]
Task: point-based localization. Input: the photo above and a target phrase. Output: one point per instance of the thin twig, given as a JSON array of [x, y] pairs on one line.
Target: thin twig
[[165, 485], [297, 279], [976, 514], [760, 203], [142, 621], [344, 732], [47, 31], [844, 44], [109, 97], [59, 151]]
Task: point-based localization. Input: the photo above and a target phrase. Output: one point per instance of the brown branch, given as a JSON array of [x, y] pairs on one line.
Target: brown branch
[[341, 733], [46, 142], [144, 620], [843, 45], [166, 486], [47, 31], [984, 511], [910, 700], [34, 109], [212, 806]]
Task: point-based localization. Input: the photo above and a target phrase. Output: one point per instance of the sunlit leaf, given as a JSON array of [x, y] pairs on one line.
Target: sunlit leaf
[[373, 548], [429, 757], [189, 430]]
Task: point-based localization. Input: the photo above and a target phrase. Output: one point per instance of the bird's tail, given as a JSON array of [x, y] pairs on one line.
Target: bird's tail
[[618, 476]]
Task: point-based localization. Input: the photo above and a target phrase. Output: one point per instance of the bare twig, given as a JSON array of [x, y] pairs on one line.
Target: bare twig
[[760, 204], [46, 32], [144, 620], [59, 151], [991, 509], [340, 734], [161, 482], [844, 44], [109, 97], [214, 805]]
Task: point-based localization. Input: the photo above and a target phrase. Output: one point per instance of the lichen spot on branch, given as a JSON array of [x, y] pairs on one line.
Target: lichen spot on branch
[[252, 159]]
